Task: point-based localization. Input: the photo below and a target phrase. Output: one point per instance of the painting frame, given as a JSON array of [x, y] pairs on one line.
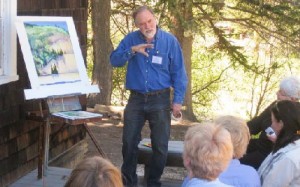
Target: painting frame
[[52, 56]]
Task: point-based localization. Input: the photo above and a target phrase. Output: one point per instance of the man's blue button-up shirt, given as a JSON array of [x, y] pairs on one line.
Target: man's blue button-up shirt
[[163, 68]]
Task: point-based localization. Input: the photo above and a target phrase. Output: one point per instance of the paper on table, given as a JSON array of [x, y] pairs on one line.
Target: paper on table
[[77, 114]]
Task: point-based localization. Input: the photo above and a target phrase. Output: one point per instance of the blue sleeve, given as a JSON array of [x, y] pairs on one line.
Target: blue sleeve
[[121, 54]]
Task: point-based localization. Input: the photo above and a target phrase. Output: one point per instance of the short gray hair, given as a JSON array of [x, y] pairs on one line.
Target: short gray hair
[[291, 86], [141, 9]]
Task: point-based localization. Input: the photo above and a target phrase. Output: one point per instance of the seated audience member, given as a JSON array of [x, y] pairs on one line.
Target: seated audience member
[[282, 166], [258, 149], [95, 172], [237, 174], [207, 152]]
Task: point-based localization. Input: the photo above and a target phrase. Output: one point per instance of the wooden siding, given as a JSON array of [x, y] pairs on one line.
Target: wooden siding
[[19, 136]]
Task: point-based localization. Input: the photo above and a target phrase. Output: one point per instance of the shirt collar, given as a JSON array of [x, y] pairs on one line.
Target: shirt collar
[[158, 33], [235, 162]]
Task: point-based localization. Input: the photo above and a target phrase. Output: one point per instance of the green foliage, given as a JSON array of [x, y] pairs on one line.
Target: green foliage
[[242, 49], [90, 55], [119, 95], [208, 65]]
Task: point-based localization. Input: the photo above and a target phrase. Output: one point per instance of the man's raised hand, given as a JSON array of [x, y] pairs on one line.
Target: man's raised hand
[[141, 48]]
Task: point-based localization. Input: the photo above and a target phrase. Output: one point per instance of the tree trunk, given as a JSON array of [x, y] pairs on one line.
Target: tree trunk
[[186, 41], [102, 47], [187, 47]]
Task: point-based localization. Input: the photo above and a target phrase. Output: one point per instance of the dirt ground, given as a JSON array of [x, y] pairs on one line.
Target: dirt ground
[[108, 133]]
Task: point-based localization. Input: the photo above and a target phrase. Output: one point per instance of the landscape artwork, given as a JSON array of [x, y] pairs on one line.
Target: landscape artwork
[[53, 57], [52, 51]]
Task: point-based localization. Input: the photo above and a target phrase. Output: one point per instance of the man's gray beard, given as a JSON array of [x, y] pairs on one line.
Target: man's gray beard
[[149, 35]]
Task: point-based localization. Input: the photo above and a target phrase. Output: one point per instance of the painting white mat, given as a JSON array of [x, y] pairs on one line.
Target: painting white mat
[[39, 90]]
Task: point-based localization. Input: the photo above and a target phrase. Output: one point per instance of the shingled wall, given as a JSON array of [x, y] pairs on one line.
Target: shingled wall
[[19, 135]]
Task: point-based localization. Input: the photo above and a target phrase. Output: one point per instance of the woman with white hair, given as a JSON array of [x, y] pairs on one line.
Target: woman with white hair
[[259, 148], [207, 152]]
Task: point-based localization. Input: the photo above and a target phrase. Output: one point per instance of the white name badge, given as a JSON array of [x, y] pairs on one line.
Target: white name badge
[[156, 59]]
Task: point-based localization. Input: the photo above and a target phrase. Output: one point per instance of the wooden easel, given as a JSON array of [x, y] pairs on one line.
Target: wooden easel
[[73, 81], [70, 104]]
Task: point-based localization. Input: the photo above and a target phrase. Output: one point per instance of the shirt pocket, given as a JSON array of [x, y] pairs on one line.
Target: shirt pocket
[[160, 61]]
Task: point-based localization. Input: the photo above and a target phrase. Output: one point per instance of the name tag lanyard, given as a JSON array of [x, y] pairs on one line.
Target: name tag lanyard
[[156, 59], [156, 51]]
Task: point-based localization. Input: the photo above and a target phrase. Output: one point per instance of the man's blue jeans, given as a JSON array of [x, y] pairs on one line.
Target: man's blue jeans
[[156, 109]]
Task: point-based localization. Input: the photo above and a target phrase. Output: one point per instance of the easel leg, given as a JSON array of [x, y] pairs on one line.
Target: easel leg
[[41, 150], [47, 135], [95, 141]]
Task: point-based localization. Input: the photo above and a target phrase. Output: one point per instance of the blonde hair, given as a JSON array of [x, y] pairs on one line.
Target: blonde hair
[[207, 150], [239, 132], [95, 172]]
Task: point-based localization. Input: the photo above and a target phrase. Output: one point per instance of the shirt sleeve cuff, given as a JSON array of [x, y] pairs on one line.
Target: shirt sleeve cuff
[[130, 53], [178, 100]]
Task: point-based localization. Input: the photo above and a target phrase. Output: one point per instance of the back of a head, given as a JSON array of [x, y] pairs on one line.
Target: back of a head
[[208, 149], [239, 132], [288, 113], [95, 172], [291, 86]]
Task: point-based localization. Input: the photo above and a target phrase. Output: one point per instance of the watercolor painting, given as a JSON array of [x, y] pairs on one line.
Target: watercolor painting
[[52, 55], [52, 51]]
